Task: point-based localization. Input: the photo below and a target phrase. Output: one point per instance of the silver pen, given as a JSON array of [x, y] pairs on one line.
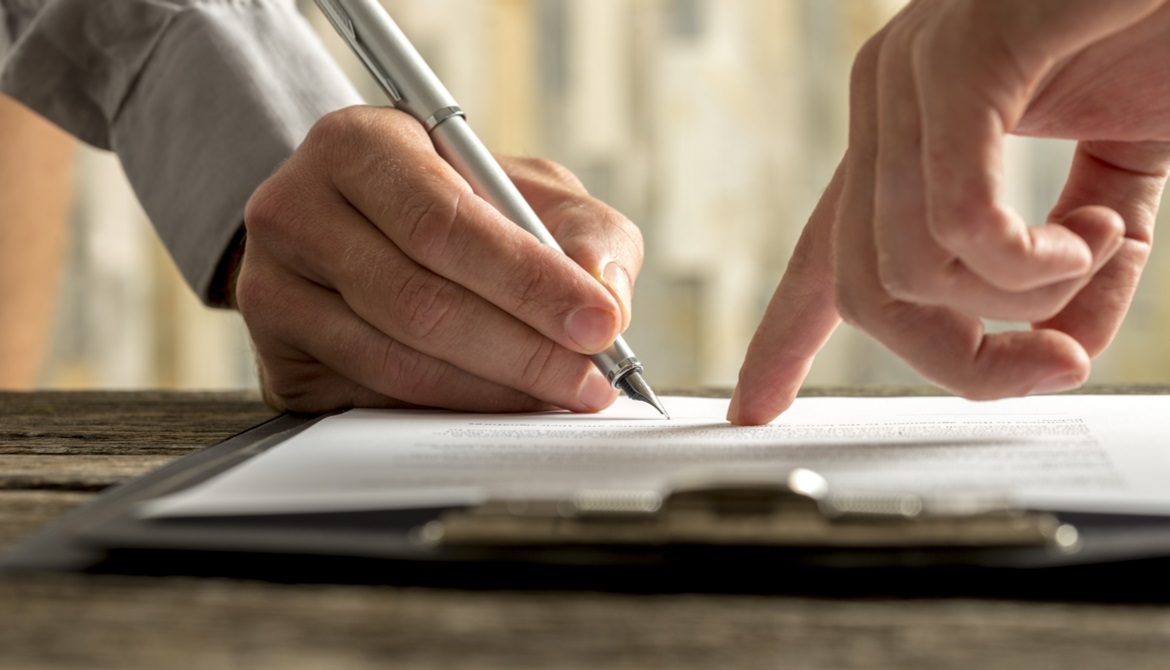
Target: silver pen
[[414, 89]]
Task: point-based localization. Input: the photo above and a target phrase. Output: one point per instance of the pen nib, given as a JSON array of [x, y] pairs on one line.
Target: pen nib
[[636, 388]]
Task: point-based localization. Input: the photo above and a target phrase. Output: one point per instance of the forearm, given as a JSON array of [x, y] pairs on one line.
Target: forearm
[[36, 169]]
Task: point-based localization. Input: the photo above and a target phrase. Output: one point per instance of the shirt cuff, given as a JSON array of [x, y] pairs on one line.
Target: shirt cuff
[[229, 92], [200, 99]]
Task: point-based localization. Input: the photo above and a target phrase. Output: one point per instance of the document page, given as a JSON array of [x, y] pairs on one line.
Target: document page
[[1096, 453]]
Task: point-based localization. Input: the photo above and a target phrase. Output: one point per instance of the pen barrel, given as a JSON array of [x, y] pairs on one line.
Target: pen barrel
[[462, 149], [378, 41]]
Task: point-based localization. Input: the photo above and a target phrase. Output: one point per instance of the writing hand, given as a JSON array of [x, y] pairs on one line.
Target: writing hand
[[373, 276], [911, 242]]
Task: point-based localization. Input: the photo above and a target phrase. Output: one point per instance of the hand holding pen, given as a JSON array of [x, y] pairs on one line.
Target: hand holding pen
[[373, 276], [412, 87]]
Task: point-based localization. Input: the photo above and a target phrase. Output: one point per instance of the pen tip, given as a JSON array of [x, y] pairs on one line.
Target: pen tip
[[636, 388]]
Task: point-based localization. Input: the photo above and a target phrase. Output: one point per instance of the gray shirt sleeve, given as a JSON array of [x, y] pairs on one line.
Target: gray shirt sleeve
[[200, 99]]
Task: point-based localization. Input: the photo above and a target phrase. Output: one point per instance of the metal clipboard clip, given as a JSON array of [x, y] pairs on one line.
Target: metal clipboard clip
[[796, 510]]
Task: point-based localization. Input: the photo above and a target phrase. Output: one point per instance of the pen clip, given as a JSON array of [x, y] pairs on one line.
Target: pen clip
[[345, 27], [338, 17]]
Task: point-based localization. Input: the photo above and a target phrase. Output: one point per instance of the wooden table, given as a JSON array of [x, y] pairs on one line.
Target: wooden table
[[57, 450]]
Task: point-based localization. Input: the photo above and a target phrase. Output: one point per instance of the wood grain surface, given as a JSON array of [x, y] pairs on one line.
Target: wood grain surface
[[57, 450]]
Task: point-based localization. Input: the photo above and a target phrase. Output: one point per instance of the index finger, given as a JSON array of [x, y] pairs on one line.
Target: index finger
[[799, 320]]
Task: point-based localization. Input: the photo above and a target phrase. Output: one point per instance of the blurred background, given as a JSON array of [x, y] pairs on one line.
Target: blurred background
[[713, 124]]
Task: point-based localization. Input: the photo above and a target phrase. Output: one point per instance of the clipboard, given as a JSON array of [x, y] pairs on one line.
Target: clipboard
[[790, 536]]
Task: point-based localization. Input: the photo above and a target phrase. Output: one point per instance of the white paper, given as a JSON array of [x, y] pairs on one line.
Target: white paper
[[1106, 453]]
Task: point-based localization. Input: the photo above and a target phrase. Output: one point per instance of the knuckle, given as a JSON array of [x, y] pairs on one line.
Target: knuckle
[[631, 245], [850, 309], [410, 375], [282, 207], [898, 38], [282, 392], [903, 281], [255, 290], [539, 367], [427, 305], [577, 221], [339, 129], [574, 208], [862, 306], [632, 233], [529, 282], [957, 234], [401, 369], [292, 388], [430, 221], [966, 220], [586, 215], [267, 208], [559, 173], [353, 143], [248, 290], [865, 63]]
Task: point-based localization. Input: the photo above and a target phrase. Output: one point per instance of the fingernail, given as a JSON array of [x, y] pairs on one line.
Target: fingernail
[[596, 393], [1063, 382], [591, 328], [618, 280]]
